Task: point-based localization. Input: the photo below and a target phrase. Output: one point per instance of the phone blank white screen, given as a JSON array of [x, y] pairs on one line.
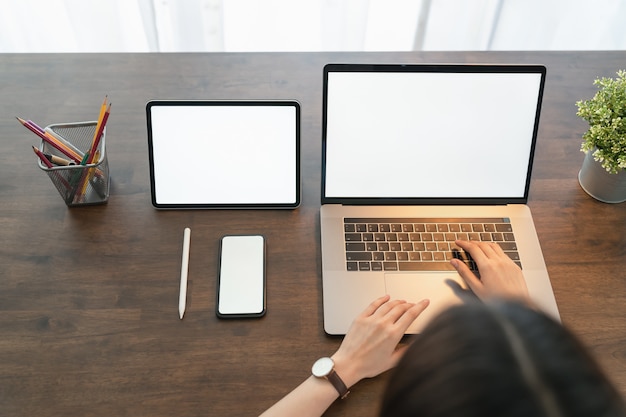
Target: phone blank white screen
[[241, 275]]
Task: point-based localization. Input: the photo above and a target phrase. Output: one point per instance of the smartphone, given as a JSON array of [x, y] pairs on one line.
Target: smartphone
[[241, 277]]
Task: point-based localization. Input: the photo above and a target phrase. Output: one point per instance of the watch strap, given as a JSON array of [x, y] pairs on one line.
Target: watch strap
[[338, 383]]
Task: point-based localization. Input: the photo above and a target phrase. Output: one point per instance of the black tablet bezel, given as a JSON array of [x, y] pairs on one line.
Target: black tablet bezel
[[277, 205]]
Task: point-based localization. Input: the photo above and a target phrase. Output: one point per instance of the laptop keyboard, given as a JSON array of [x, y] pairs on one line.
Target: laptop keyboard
[[415, 244]]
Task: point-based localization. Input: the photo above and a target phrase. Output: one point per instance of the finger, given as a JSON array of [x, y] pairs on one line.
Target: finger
[[496, 248], [471, 248], [490, 248], [375, 305], [403, 309], [388, 307], [409, 316], [468, 276], [474, 249]]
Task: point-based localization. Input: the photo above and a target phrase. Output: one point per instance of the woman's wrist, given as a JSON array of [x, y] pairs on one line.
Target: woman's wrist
[[346, 370]]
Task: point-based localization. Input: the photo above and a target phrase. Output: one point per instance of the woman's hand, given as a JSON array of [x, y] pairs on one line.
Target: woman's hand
[[371, 345], [499, 275]]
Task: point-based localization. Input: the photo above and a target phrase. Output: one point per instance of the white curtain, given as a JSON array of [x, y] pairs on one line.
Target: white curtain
[[309, 25]]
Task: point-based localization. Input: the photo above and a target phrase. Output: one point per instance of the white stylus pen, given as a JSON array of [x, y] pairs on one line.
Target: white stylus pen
[[182, 299]]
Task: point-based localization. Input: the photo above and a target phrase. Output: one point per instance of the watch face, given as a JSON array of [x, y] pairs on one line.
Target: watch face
[[322, 367]]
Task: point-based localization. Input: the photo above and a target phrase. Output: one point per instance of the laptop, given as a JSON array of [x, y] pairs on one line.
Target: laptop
[[414, 157]]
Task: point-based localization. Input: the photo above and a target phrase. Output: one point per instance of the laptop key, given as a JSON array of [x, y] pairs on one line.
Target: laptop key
[[364, 266], [407, 246], [508, 246], [504, 227], [414, 237], [513, 255], [391, 266], [352, 266], [351, 237], [358, 256], [368, 237], [485, 237], [355, 247], [425, 266]]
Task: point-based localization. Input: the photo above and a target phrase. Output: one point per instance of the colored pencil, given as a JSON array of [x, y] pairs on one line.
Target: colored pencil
[[48, 164], [51, 140], [56, 160], [42, 158], [99, 129]]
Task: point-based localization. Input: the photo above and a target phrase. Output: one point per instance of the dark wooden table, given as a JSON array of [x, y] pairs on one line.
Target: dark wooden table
[[88, 296]]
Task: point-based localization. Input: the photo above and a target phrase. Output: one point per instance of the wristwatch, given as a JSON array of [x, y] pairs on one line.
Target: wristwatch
[[325, 368]]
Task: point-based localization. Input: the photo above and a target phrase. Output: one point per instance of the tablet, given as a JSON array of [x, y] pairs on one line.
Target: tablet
[[224, 154]]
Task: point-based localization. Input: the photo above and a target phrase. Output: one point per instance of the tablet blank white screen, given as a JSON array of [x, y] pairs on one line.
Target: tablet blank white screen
[[224, 154]]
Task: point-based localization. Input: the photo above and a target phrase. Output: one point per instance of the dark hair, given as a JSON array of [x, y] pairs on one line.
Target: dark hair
[[501, 359]]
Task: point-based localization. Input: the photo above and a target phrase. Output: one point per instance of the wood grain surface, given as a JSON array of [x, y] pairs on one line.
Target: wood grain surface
[[88, 296]]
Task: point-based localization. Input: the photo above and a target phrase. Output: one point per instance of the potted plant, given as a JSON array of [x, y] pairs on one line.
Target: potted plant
[[603, 174]]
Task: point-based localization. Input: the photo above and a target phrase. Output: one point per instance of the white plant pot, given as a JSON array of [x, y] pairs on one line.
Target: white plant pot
[[600, 184]]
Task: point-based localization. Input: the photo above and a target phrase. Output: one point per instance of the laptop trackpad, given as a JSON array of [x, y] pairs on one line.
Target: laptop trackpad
[[443, 289]]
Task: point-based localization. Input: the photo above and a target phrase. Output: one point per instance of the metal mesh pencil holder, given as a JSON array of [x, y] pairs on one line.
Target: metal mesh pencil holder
[[78, 184]]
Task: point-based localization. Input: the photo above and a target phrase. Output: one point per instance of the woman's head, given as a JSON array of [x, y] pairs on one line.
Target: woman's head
[[499, 359]]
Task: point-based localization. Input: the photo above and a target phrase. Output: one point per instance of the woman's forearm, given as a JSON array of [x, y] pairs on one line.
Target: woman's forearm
[[310, 399]]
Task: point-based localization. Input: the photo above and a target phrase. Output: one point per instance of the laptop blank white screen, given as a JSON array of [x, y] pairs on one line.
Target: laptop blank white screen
[[429, 134]]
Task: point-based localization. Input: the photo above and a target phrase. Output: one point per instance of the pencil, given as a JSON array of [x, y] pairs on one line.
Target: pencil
[[99, 129], [90, 173], [35, 125], [51, 140], [42, 157], [48, 164], [57, 160]]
